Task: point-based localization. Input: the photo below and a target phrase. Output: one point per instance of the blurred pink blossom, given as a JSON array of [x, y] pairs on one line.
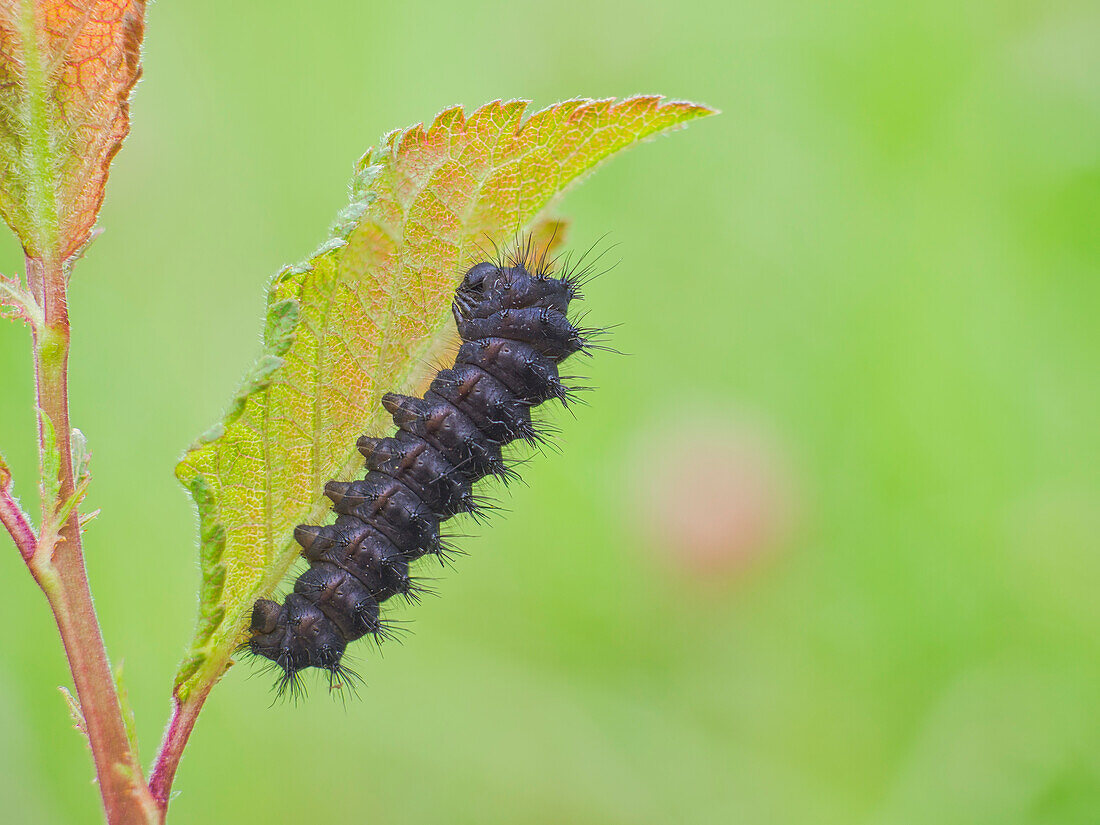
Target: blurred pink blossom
[[713, 494]]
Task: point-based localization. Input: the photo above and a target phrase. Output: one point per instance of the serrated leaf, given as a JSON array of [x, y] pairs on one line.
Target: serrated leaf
[[66, 72], [366, 314]]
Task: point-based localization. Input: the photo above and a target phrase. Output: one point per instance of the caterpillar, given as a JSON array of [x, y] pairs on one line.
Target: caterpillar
[[512, 319]]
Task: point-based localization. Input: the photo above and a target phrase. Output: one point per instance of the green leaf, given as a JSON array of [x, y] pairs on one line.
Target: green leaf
[[366, 314], [50, 470], [82, 459], [82, 456], [57, 512], [77, 715], [127, 711], [66, 74], [17, 302]]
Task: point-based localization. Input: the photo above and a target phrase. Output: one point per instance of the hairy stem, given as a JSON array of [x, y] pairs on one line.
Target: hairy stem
[[184, 715], [15, 520], [58, 566]]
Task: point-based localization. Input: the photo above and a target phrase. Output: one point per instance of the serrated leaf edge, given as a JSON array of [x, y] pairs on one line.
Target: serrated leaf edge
[[279, 336]]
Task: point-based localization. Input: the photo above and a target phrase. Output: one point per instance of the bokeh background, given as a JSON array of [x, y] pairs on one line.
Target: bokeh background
[[824, 548]]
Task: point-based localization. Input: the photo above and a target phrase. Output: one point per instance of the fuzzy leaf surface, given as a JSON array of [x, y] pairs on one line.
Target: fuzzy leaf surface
[[66, 72], [368, 313]]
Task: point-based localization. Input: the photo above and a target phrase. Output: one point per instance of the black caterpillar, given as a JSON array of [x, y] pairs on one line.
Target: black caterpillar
[[515, 331]]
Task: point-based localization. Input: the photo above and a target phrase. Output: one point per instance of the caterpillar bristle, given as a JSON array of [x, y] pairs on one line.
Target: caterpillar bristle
[[514, 329], [343, 680], [570, 394], [390, 631], [446, 555], [416, 590], [289, 684]]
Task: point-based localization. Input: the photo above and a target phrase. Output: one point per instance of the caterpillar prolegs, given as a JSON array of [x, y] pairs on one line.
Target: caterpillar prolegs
[[513, 320]]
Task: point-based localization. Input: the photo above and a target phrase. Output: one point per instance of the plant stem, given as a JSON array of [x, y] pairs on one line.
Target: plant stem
[[15, 520], [184, 715], [58, 567]]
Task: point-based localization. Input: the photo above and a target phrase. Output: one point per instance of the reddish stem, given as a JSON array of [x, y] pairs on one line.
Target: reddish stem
[[59, 570], [15, 520], [184, 715]]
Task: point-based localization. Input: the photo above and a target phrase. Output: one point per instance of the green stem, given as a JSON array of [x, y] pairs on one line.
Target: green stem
[[58, 567]]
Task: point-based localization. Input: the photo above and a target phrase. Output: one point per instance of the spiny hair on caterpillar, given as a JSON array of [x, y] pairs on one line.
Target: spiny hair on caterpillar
[[290, 684], [512, 318], [522, 265], [533, 426], [521, 252], [287, 665]]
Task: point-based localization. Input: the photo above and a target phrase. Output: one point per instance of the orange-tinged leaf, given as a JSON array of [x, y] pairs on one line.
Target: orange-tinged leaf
[[370, 313], [66, 72]]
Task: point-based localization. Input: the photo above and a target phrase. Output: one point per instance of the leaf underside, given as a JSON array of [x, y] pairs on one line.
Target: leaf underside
[[66, 73], [369, 313]]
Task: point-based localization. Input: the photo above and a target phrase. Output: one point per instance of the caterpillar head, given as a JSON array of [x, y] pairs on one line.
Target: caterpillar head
[[475, 285]]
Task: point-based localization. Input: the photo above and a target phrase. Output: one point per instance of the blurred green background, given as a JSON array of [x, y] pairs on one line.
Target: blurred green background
[[825, 547]]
